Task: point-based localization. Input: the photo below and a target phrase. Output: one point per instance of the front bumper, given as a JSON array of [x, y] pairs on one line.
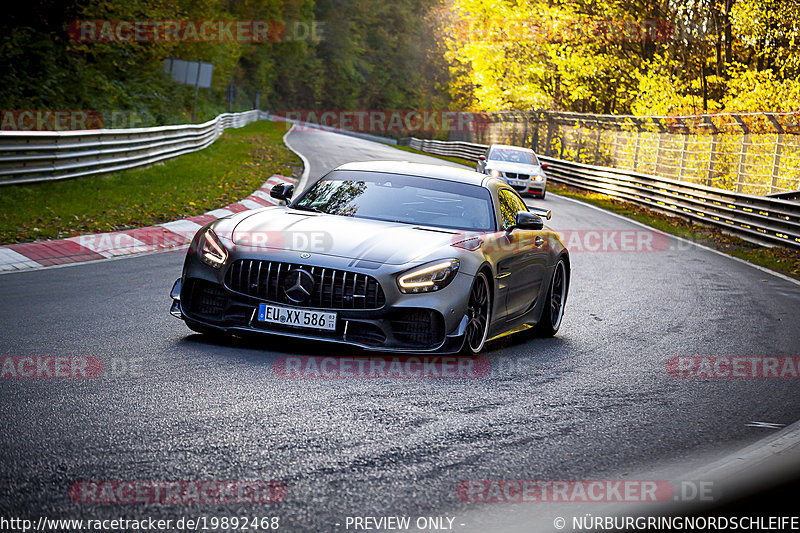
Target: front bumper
[[532, 187], [433, 322]]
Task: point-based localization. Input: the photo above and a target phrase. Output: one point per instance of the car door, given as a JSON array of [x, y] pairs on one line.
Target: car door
[[523, 263]]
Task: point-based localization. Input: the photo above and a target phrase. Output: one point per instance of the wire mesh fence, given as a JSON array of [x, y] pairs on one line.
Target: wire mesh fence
[[756, 153]]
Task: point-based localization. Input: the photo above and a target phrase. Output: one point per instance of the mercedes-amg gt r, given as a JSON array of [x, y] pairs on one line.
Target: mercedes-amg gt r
[[382, 255]]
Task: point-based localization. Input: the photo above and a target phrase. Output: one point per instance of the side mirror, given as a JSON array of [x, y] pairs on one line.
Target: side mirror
[[545, 166], [482, 158], [542, 212], [282, 191], [528, 221]]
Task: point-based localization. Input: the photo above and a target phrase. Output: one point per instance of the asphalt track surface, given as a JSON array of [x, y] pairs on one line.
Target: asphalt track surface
[[595, 402]]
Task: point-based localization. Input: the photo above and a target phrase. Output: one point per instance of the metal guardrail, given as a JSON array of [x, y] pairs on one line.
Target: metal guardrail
[[751, 153], [36, 156], [763, 219]]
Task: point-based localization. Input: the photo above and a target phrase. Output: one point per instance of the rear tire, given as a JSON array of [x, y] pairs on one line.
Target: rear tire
[[553, 313]]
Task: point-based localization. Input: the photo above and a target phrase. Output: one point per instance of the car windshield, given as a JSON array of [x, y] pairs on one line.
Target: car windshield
[[401, 198], [509, 155]]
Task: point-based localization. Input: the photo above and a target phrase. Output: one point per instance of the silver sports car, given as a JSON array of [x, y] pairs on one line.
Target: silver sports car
[[382, 255]]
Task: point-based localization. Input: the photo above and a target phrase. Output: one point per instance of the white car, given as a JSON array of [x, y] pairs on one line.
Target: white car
[[517, 166]]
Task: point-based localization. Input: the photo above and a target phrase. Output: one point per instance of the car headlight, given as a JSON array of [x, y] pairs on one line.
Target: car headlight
[[430, 277], [212, 252], [495, 173]]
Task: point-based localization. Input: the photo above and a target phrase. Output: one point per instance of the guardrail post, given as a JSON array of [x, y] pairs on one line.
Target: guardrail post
[[776, 163]]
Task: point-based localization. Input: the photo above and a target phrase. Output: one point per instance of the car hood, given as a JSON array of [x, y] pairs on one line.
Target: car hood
[[353, 238], [519, 168]]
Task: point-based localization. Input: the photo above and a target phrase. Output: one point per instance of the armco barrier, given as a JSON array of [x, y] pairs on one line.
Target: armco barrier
[[35, 156], [763, 219]]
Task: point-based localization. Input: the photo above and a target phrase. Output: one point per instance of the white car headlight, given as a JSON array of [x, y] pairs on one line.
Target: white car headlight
[[430, 277], [212, 252], [495, 173]]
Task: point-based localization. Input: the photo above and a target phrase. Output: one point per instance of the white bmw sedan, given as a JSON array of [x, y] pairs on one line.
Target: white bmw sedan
[[517, 166]]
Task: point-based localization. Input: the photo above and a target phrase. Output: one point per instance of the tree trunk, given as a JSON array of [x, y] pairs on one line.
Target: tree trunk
[[728, 33]]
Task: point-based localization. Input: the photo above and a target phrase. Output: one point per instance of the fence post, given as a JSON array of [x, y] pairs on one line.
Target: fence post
[[525, 131], [636, 150], [776, 163], [658, 153], [548, 148], [597, 145], [616, 149], [535, 136], [743, 146], [578, 152], [712, 159], [682, 171]]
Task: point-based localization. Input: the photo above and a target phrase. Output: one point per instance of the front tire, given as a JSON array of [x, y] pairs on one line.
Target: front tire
[[553, 312], [479, 307]]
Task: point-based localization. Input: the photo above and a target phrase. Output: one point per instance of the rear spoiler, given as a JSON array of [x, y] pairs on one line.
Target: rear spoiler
[[544, 213]]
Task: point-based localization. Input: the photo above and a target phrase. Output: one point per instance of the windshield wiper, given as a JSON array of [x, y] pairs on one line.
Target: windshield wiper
[[307, 208]]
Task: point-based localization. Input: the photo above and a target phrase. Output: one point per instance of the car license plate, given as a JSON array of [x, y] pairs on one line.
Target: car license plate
[[518, 183], [302, 318]]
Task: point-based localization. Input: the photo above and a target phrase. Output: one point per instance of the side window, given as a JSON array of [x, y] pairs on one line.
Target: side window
[[520, 205], [509, 207]]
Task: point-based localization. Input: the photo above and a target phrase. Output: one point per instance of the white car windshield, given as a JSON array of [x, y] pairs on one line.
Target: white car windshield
[[509, 155], [401, 198]]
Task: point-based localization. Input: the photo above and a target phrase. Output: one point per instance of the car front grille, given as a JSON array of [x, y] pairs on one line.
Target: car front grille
[[333, 288], [515, 176]]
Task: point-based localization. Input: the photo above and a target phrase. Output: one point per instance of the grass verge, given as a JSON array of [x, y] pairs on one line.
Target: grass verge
[[783, 260], [238, 163]]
